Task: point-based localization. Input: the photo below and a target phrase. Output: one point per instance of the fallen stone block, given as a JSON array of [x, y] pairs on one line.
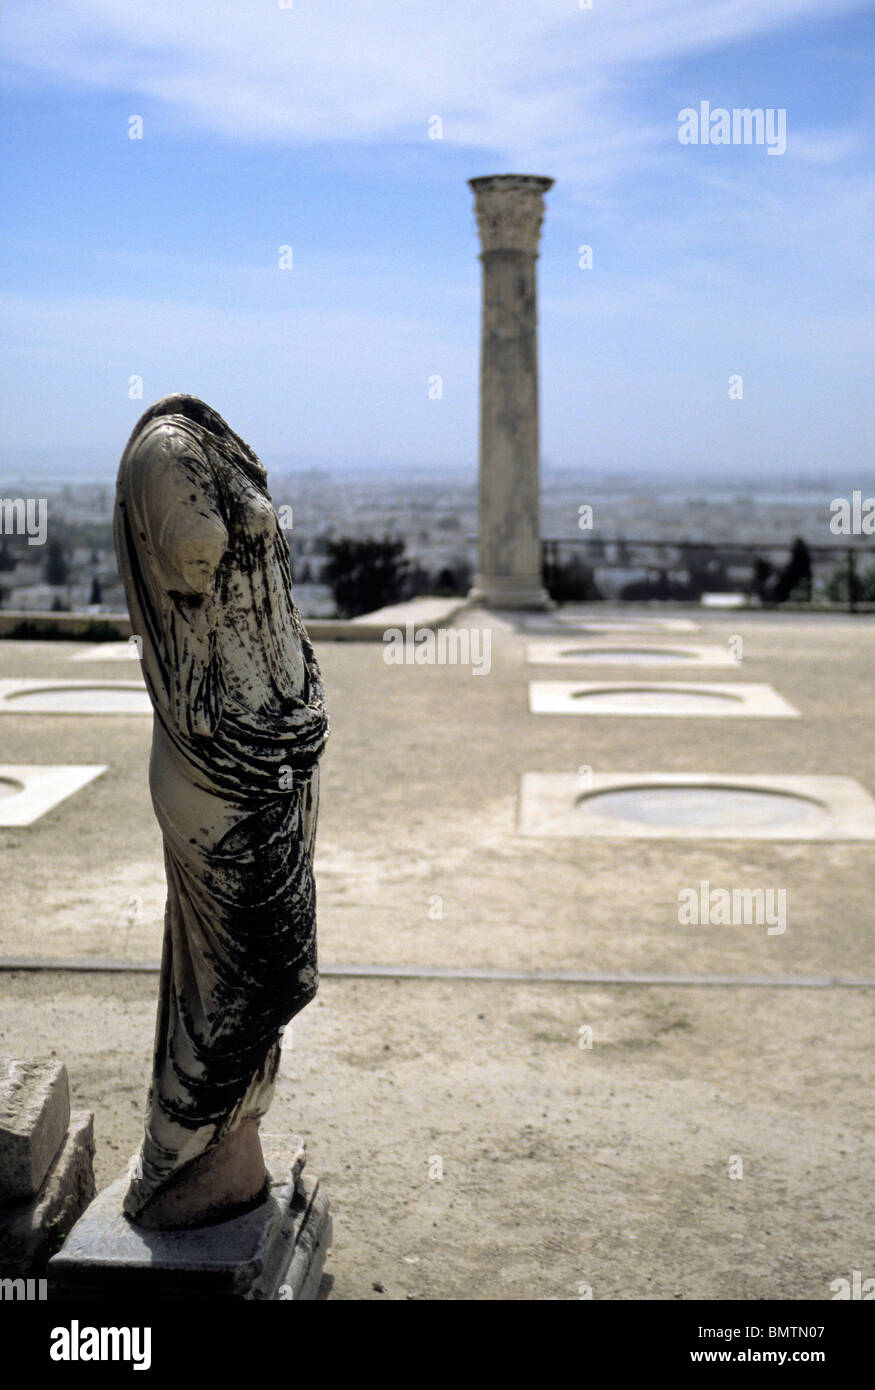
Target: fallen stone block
[[32, 1230], [34, 1115]]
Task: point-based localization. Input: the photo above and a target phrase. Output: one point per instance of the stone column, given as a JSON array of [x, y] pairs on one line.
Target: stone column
[[509, 210]]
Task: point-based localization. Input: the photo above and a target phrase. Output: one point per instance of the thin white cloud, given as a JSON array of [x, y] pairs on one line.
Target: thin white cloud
[[835, 148], [526, 81], [538, 84]]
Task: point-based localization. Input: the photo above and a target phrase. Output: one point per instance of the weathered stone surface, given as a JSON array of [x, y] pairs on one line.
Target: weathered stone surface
[[222, 1182], [34, 1115], [275, 1251], [31, 1230], [313, 1240], [509, 210], [240, 727]]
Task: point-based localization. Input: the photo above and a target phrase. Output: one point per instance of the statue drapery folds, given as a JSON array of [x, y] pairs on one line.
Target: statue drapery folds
[[240, 724]]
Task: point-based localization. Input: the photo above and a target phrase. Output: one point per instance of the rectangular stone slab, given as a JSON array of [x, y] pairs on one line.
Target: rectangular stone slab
[[34, 1115], [107, 651], [41, 788], [252, 1256], [558, 803], [53, 697], [640, 627], [31, 1230], [629, 651], [636, 699]]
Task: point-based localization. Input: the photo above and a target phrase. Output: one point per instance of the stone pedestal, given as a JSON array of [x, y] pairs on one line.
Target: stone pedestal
[[276, 1251], [46, 1165], [509, 210]]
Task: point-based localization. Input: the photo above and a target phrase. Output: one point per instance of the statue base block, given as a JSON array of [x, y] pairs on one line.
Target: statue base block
[[276, 1251]]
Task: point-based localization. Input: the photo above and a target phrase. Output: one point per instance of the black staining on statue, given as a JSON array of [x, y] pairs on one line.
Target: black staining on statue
[[238, 700]]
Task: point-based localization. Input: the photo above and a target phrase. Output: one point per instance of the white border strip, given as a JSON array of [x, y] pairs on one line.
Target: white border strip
[[42, 788], [13, 697], [558, 804], [733, 700], [571, 651]]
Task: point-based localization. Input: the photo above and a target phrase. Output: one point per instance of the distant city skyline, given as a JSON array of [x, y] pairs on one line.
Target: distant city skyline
[[347, 135], [57, 469]]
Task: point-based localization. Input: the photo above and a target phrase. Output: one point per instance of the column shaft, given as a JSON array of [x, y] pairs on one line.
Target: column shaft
[[509, 211]]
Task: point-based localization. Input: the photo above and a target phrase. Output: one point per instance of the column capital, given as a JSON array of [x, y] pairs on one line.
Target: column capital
[[509, 209]]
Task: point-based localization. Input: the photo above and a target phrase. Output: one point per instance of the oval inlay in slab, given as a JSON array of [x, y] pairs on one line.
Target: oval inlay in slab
[[644, 656], [643, 698], [99, 699], [9, 787], [703, 806]]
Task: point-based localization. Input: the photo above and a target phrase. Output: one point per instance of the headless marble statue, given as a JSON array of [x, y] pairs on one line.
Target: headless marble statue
[[239, 727]]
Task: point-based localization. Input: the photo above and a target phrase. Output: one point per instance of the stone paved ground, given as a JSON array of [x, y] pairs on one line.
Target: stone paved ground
[[561, 1166]]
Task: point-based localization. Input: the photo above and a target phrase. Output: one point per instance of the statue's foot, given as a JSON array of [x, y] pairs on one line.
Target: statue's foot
[[225, 1181]]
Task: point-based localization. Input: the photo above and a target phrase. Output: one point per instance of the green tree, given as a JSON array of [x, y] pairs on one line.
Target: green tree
[[836, 586], [570, 581], [56, 567], [794, 581], [365, 574], [454, 580]]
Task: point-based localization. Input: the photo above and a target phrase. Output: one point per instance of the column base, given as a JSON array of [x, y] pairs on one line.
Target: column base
[[515, 591]]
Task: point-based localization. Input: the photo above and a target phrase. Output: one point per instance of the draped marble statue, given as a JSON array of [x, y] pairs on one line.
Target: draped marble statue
[[239, 726]]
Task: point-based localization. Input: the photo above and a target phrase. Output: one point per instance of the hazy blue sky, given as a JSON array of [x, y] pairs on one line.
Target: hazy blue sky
[[309, 127]]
